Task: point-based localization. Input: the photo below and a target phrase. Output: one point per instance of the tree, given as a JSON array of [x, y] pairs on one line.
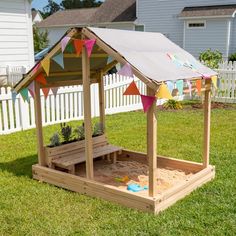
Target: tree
[[211, 58], [40, 39], [73, 4], [51, 8]]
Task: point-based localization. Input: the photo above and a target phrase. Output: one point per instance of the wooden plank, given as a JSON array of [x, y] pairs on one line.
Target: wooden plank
[[87, 114], [101, 102], [207, 121], [162, 205], [39, 128], [119, 58], [152, 145]]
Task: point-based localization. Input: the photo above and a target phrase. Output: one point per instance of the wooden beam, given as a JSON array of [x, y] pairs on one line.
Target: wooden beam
[[101, 101], [109, 66], [119, 58], [207, 120], [87, 114], [30, 76], [68, 73], [39, 128], [152, 145], [97, 55]]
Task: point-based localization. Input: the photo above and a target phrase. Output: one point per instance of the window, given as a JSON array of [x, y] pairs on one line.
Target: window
[[196, 25], [139, 27]]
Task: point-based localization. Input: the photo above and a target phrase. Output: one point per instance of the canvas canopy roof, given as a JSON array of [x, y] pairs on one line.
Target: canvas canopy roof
[[147, 53]]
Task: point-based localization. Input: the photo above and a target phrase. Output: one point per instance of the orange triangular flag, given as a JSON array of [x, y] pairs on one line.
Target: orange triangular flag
[[199, 86], [45, 92], [78, 44], [41, 79], [132, 90]]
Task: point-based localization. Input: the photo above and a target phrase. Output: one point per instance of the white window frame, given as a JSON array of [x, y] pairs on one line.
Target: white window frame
[[196, 22]]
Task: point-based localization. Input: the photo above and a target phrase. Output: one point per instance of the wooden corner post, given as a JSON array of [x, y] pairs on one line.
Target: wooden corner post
[[152, 145], [101, 101], [39, 128], [207, 121], [87, 114]]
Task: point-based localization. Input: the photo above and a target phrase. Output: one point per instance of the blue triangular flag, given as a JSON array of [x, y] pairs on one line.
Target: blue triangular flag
[[170, 86], [13, 95], [109, 59], [59, 60], [180, 86]]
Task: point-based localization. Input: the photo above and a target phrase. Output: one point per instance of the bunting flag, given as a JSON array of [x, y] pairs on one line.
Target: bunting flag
[[69, 48], [170, 86], [46, 92], [199, 86], [189, 83], [163, 92], [46, 65], [78, 45], [59, 59], [89, 45], [126, 70], [180, 86], [31, 89], [64, 43], [36, 68], [13, 95], [214, 81], [147, 102], [41, 79], [132, 90], [54, 91], [24, 93], [109, 60]]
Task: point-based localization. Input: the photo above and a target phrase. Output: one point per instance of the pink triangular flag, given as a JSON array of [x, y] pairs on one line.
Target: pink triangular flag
[[126, 70], [31, 89], [36, 67], [64, 43], [89, 43], [46, 92], [147, 102], [54, 91]]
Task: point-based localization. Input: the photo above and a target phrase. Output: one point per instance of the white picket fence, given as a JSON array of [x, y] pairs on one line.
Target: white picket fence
[[227, 83]]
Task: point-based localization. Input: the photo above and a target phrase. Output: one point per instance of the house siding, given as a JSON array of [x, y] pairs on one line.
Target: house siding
[[162, 16], [16, 37], [233, 37], [198, 40]]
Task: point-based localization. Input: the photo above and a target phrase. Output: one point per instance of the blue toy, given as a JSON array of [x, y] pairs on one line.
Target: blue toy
[[136, 188]]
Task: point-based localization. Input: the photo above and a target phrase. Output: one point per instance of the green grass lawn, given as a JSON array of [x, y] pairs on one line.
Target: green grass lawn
[[28, 207]]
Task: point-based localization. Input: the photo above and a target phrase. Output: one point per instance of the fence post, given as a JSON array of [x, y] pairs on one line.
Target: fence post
[[24, 113]]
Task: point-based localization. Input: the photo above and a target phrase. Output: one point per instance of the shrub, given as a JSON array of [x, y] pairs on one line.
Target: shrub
[[172, 104], [232, 57], [211, 58], [80, 132], [55, 140], [66, 132], [98, 129]]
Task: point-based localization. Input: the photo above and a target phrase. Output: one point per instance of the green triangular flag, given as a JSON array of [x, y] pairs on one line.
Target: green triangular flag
[[69, 48], [59, 60], [24, 93]]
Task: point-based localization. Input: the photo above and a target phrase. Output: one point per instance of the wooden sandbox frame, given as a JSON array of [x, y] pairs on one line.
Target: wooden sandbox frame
[[152, 203]]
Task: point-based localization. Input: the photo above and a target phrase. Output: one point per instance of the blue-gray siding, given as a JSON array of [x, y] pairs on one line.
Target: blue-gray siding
[[233, 37], [214, 36], [162, 16]]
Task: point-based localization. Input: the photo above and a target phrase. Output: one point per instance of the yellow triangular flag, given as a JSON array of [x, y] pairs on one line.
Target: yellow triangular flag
[[214, 81], [46, 65], [164, 92]]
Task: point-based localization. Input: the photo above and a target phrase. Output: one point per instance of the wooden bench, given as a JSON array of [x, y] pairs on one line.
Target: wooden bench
[[70, 158]]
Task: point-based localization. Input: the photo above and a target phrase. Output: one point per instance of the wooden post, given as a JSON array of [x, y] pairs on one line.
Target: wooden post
[[87, 114], [152, 145], [207, 120], [39, 128], [101, 101]]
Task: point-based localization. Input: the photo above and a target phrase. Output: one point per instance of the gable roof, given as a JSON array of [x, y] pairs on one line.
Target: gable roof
[[147, 55], [69, 18], [209, 11], [109, 11], [34, 13]]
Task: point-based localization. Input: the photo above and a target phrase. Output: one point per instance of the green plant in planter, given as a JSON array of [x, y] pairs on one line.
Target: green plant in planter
[[232, 57], [98, 129], [55, 140], [66, 132], [172, 104], [80, 132]]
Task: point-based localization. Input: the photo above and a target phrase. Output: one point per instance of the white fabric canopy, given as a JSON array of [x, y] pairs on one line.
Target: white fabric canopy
[[148, 53]]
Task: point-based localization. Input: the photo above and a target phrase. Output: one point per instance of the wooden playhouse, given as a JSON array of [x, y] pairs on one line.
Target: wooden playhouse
[[76, 166]]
